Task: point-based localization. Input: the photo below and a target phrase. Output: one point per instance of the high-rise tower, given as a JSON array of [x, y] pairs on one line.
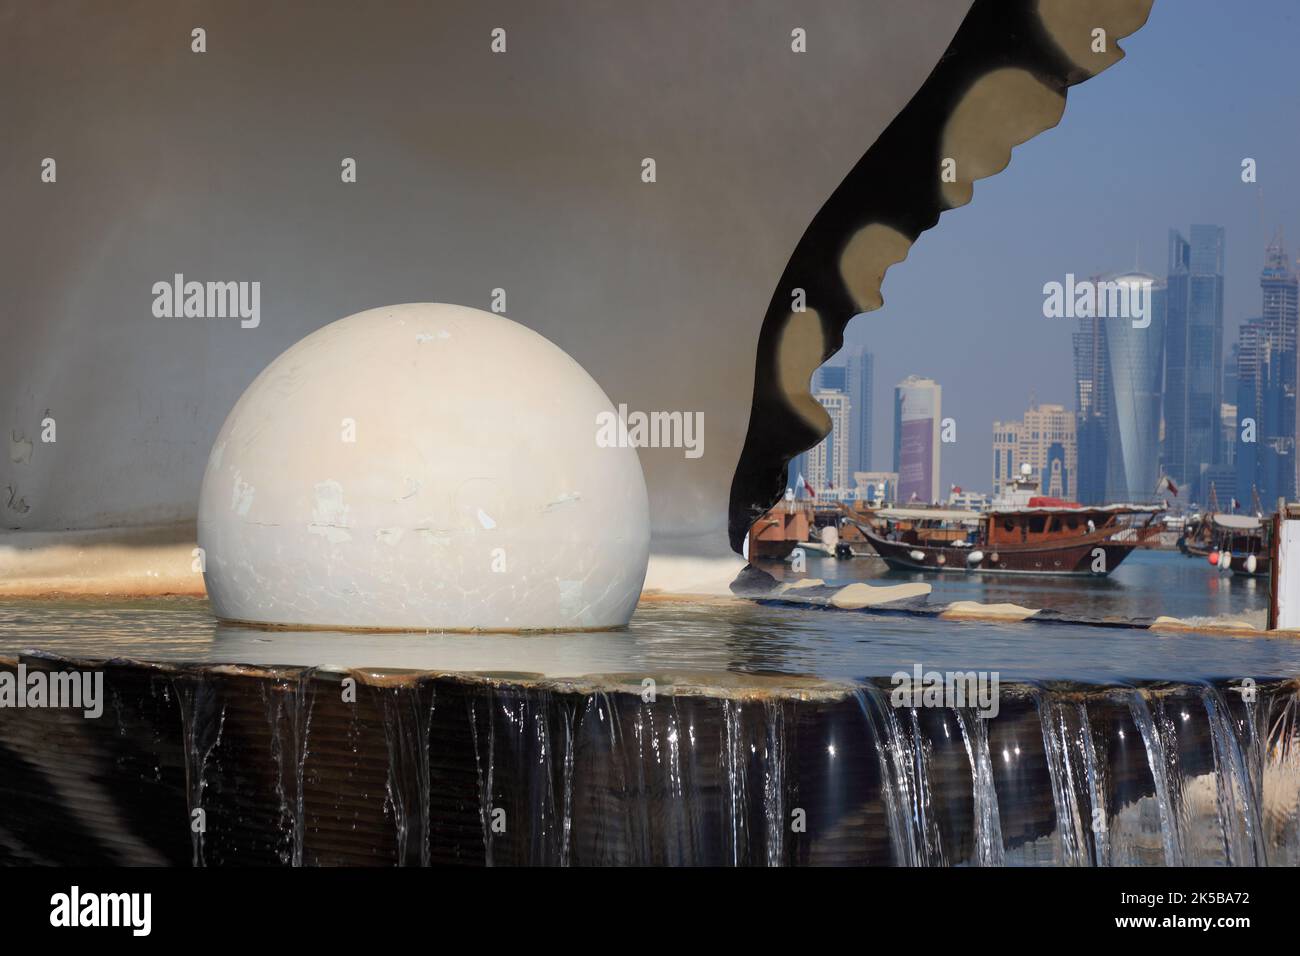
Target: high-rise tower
[[1193, 390], [916, 439], [1266, 385], [861, 380]]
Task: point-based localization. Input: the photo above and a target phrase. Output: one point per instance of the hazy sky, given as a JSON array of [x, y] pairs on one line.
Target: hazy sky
[[1155, 142]]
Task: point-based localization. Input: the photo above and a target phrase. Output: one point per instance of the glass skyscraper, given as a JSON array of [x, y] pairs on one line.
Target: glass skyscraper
[[860, 381], [1135, 357], [1119, 370], [1092, 404], [1193, 356], [1266, 386]]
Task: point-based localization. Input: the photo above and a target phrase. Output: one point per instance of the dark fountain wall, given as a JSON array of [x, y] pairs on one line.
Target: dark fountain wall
[[511, 770]]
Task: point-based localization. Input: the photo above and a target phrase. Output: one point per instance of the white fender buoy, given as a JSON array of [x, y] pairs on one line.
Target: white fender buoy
[[916, 555], [1225, 560], [941, 559], [975, 557], [1251, 564]]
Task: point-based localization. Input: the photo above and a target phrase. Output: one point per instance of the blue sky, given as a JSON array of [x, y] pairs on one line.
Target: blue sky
[[1152, 143]]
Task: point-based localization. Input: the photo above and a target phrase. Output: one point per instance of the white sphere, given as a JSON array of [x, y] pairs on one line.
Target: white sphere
[[426, 467]]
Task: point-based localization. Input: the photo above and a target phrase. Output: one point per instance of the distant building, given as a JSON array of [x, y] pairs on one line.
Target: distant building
[[817, 465], [917, 403], [1045, 440], [1092, 410], [1228, 424], [854, 379], [1136, 374], [1228, 410], [876, 485], [831, 378], [828, 463], [968, 500], [1006, 454], [1221, 487], [1193, 388], [1119, 374], [861, 381], [1266, 387]]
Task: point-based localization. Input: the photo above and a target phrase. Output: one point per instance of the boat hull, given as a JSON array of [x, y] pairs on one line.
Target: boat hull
[[1263, 564], [762, 550], [1088, 558]]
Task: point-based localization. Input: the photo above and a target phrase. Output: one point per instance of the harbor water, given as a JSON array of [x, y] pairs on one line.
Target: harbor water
[[768, 736], [1147, 584]]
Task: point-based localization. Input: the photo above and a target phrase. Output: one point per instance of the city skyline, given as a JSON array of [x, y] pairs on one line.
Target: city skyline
[[1154, 397], [970, 295]]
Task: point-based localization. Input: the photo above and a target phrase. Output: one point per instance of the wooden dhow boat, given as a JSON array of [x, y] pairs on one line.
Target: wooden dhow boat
[[1022, 533]]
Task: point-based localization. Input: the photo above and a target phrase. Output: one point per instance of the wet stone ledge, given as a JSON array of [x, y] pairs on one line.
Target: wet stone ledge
[[292, 766]]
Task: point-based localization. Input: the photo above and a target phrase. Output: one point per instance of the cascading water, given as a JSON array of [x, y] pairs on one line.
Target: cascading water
[[988, 826], [733, 767], [1096, 778], [1061, 746], [202, 717], [1158, 739], [1236, 785], [288, 701], [682, 827], [904, 762], [900, 829], [288, 768], [408, 712], [484, 767], [774, 782]]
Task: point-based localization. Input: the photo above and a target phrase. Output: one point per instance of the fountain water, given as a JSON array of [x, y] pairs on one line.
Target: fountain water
[[295, 766]]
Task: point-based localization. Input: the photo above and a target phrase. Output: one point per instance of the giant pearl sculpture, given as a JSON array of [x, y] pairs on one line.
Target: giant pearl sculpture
[[425, 467]]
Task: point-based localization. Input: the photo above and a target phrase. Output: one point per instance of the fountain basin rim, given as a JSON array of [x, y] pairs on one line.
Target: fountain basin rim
[[750, 687]]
